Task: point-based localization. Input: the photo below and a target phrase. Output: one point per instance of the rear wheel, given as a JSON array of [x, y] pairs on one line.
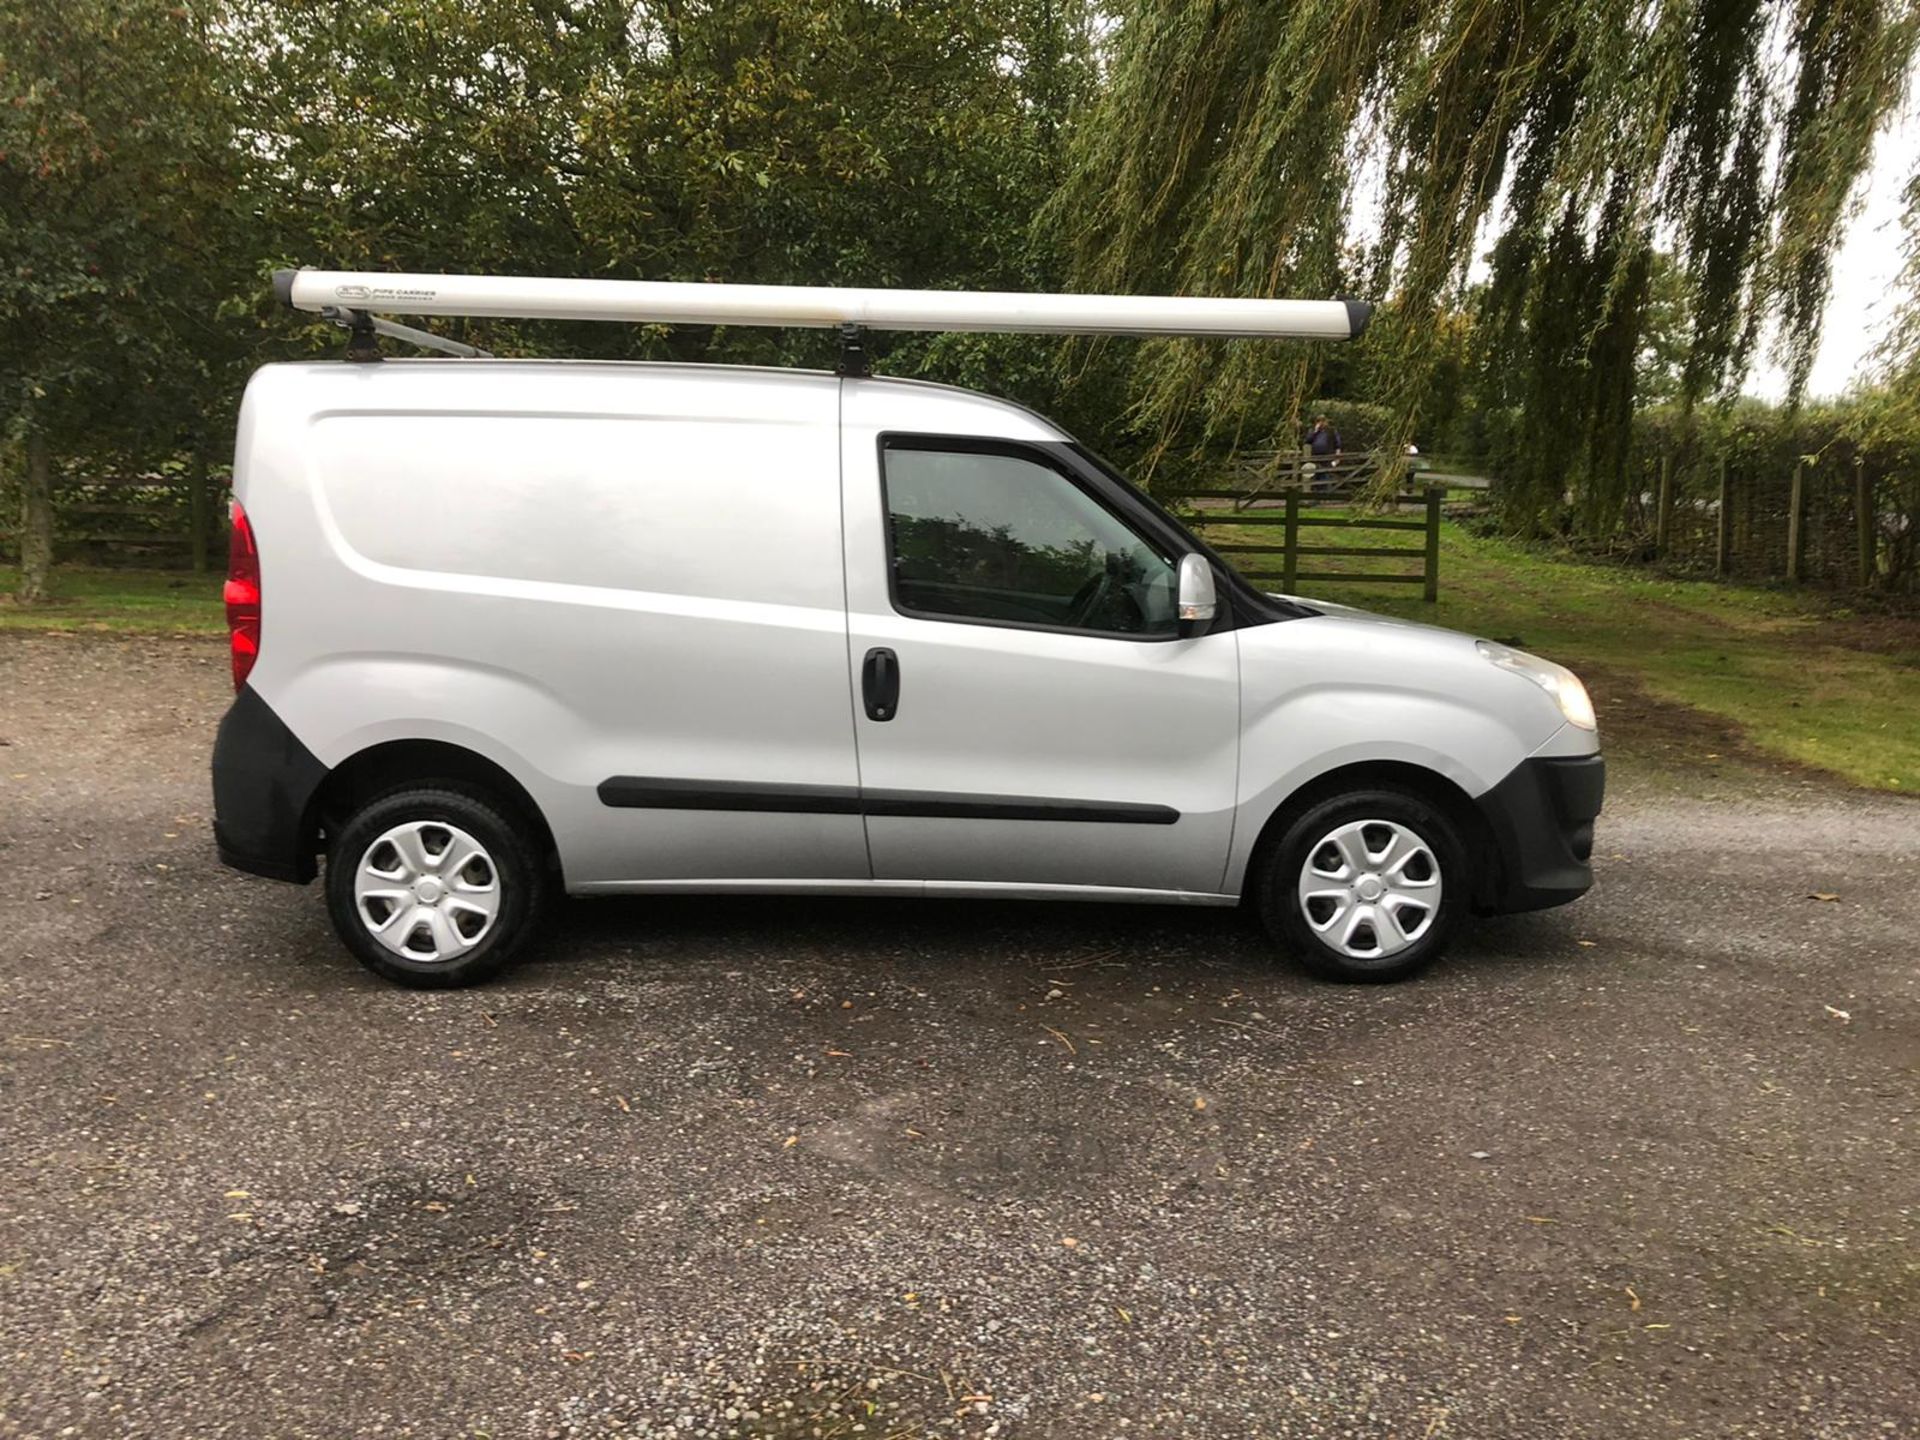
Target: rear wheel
[[1366, 887], [434, 887]]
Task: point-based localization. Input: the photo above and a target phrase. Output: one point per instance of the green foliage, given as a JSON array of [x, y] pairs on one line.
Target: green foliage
[[1665, 321], [1897, 406], [1762, 443], [1760, 437], [118, 206], [1220, 158], [772, 142], [157, 158]]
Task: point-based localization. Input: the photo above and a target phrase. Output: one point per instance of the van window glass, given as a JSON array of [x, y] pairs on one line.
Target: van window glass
[[1000, 537]]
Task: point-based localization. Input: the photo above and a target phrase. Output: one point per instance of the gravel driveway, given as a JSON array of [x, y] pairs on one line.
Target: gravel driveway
[[1642, 1167]]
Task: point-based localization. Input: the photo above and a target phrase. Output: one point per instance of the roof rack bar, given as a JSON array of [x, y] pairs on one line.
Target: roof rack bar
[[363, 324], [682, 303]]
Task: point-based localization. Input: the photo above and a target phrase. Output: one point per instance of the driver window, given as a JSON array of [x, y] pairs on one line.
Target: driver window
[[1000, 537]]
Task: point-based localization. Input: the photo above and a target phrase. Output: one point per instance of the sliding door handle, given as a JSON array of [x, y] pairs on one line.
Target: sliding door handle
[[880, 683]]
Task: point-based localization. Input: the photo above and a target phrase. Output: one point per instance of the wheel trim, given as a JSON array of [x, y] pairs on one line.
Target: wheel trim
[[427, 891], [1370, 888]]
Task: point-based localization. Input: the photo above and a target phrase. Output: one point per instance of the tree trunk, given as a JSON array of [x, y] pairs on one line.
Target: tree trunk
[[197, 506], [36, 521]]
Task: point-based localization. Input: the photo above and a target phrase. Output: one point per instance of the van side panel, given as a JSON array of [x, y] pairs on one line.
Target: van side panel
[[580, 572]]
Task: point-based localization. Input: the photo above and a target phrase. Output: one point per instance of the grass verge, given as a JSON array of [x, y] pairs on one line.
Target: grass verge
[[127, 602], [1797, 676]]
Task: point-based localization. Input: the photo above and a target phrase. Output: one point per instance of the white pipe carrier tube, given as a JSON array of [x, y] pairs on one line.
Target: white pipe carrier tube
[[682, 303]]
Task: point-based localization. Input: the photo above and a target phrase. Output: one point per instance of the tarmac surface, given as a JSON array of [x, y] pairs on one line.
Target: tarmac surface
[[1645, 1166]]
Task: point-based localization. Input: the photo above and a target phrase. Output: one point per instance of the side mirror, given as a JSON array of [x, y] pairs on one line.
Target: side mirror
[[1196, 601]]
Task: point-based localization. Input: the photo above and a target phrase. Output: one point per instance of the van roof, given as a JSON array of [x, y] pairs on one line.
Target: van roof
[[939, 405]]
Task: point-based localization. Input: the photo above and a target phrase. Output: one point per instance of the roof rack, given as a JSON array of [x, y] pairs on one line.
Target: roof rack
[[362, 325], [683, 303]]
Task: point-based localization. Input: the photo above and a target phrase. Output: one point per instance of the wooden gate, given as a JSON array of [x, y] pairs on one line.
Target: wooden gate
[[1260, 535]]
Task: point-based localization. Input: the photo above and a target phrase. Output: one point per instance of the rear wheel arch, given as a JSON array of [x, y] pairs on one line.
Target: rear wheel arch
[[408, 764], [1431, 786]]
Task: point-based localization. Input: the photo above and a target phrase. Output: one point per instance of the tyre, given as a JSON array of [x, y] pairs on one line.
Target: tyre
[[1366, 887], [434, 886]]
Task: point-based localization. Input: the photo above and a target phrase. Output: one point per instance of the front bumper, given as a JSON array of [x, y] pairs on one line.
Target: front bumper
[[1541, 821]]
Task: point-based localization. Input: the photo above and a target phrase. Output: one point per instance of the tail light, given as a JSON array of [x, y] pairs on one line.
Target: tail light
[[242, 594]]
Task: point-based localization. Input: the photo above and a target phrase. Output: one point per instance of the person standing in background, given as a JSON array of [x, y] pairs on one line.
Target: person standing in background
[[1323, 446], [1323, 441]]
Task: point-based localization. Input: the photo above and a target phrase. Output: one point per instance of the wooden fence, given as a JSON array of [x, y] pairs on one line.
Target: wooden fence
[[1260, 534], [1826, 521], [1274, 472], [172, 516]]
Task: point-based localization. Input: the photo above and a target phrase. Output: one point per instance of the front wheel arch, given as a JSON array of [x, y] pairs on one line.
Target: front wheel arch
[[1483, 854]]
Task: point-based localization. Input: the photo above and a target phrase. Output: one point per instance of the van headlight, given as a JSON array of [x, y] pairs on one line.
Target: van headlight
[[1558, 681]]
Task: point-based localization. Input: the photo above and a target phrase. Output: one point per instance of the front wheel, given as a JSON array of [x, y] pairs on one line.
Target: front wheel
[[433, 887], [1367, 886]]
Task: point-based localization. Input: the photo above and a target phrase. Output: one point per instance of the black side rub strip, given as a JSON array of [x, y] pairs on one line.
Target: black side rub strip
[[929, 805], [629, 792], [639, 793]]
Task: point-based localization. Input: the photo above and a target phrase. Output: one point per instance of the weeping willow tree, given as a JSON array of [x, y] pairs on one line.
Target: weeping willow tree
[[1234, 146], [1898, 353]]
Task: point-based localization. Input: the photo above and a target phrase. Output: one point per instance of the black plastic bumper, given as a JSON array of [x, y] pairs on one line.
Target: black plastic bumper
[[263, 780], [1541, 820]]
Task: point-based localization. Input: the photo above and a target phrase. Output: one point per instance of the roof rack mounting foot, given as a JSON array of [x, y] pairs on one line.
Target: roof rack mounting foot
[[362, 345], [853, 353]]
